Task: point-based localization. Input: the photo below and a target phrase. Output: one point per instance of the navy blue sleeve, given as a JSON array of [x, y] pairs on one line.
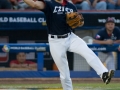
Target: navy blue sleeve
[[47, 6], [118, 34], [99, 35]]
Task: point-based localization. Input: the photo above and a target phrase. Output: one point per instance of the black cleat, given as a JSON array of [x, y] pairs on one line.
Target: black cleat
[[106, 77]]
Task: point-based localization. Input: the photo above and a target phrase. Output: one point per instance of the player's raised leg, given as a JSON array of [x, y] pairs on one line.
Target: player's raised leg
[[80, 47]]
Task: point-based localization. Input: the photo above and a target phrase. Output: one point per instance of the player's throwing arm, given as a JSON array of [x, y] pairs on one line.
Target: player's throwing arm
[[35, 4]]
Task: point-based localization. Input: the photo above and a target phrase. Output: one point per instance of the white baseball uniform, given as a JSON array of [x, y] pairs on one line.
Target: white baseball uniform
[[58, 49], [61, 39]]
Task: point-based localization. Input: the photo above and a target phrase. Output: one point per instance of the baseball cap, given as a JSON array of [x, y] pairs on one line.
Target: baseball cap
[[110, 19]]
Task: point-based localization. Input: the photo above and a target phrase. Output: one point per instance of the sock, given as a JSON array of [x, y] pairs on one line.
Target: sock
[[101, 75]]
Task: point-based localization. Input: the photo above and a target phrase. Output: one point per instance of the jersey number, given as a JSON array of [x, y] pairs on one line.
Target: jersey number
[[62, 9]]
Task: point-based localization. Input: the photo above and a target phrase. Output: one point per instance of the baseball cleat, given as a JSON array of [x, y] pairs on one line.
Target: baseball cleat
[[106, 77]]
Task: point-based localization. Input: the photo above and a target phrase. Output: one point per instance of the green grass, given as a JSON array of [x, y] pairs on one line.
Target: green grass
[[80, 86]]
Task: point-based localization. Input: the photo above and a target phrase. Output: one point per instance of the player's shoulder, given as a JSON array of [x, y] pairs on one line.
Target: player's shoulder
[[48, 2], [117, 28], [70, 3], [102, 30]]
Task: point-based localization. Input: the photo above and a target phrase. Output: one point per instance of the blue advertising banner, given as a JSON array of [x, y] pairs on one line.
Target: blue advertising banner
[[42, 47], [35, 20], [96, 20], [22, 20], [104, 48]]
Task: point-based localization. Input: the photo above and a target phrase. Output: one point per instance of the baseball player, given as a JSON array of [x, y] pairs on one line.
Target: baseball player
[[61, 18], [108, 35]]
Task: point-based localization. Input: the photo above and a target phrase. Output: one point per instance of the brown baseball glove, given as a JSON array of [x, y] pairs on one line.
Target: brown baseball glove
[[74, 19]]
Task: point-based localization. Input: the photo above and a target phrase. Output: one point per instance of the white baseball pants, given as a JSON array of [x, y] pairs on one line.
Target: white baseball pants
[[72, 43]]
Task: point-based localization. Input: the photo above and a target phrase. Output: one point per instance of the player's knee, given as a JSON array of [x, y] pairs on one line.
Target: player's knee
[[102, 5], [85, 3]]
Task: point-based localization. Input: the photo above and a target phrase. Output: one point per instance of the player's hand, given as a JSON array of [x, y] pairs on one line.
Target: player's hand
[[24, 65], [109, 42]]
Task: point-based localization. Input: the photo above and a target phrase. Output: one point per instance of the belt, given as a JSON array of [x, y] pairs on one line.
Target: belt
[[60, 36]]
